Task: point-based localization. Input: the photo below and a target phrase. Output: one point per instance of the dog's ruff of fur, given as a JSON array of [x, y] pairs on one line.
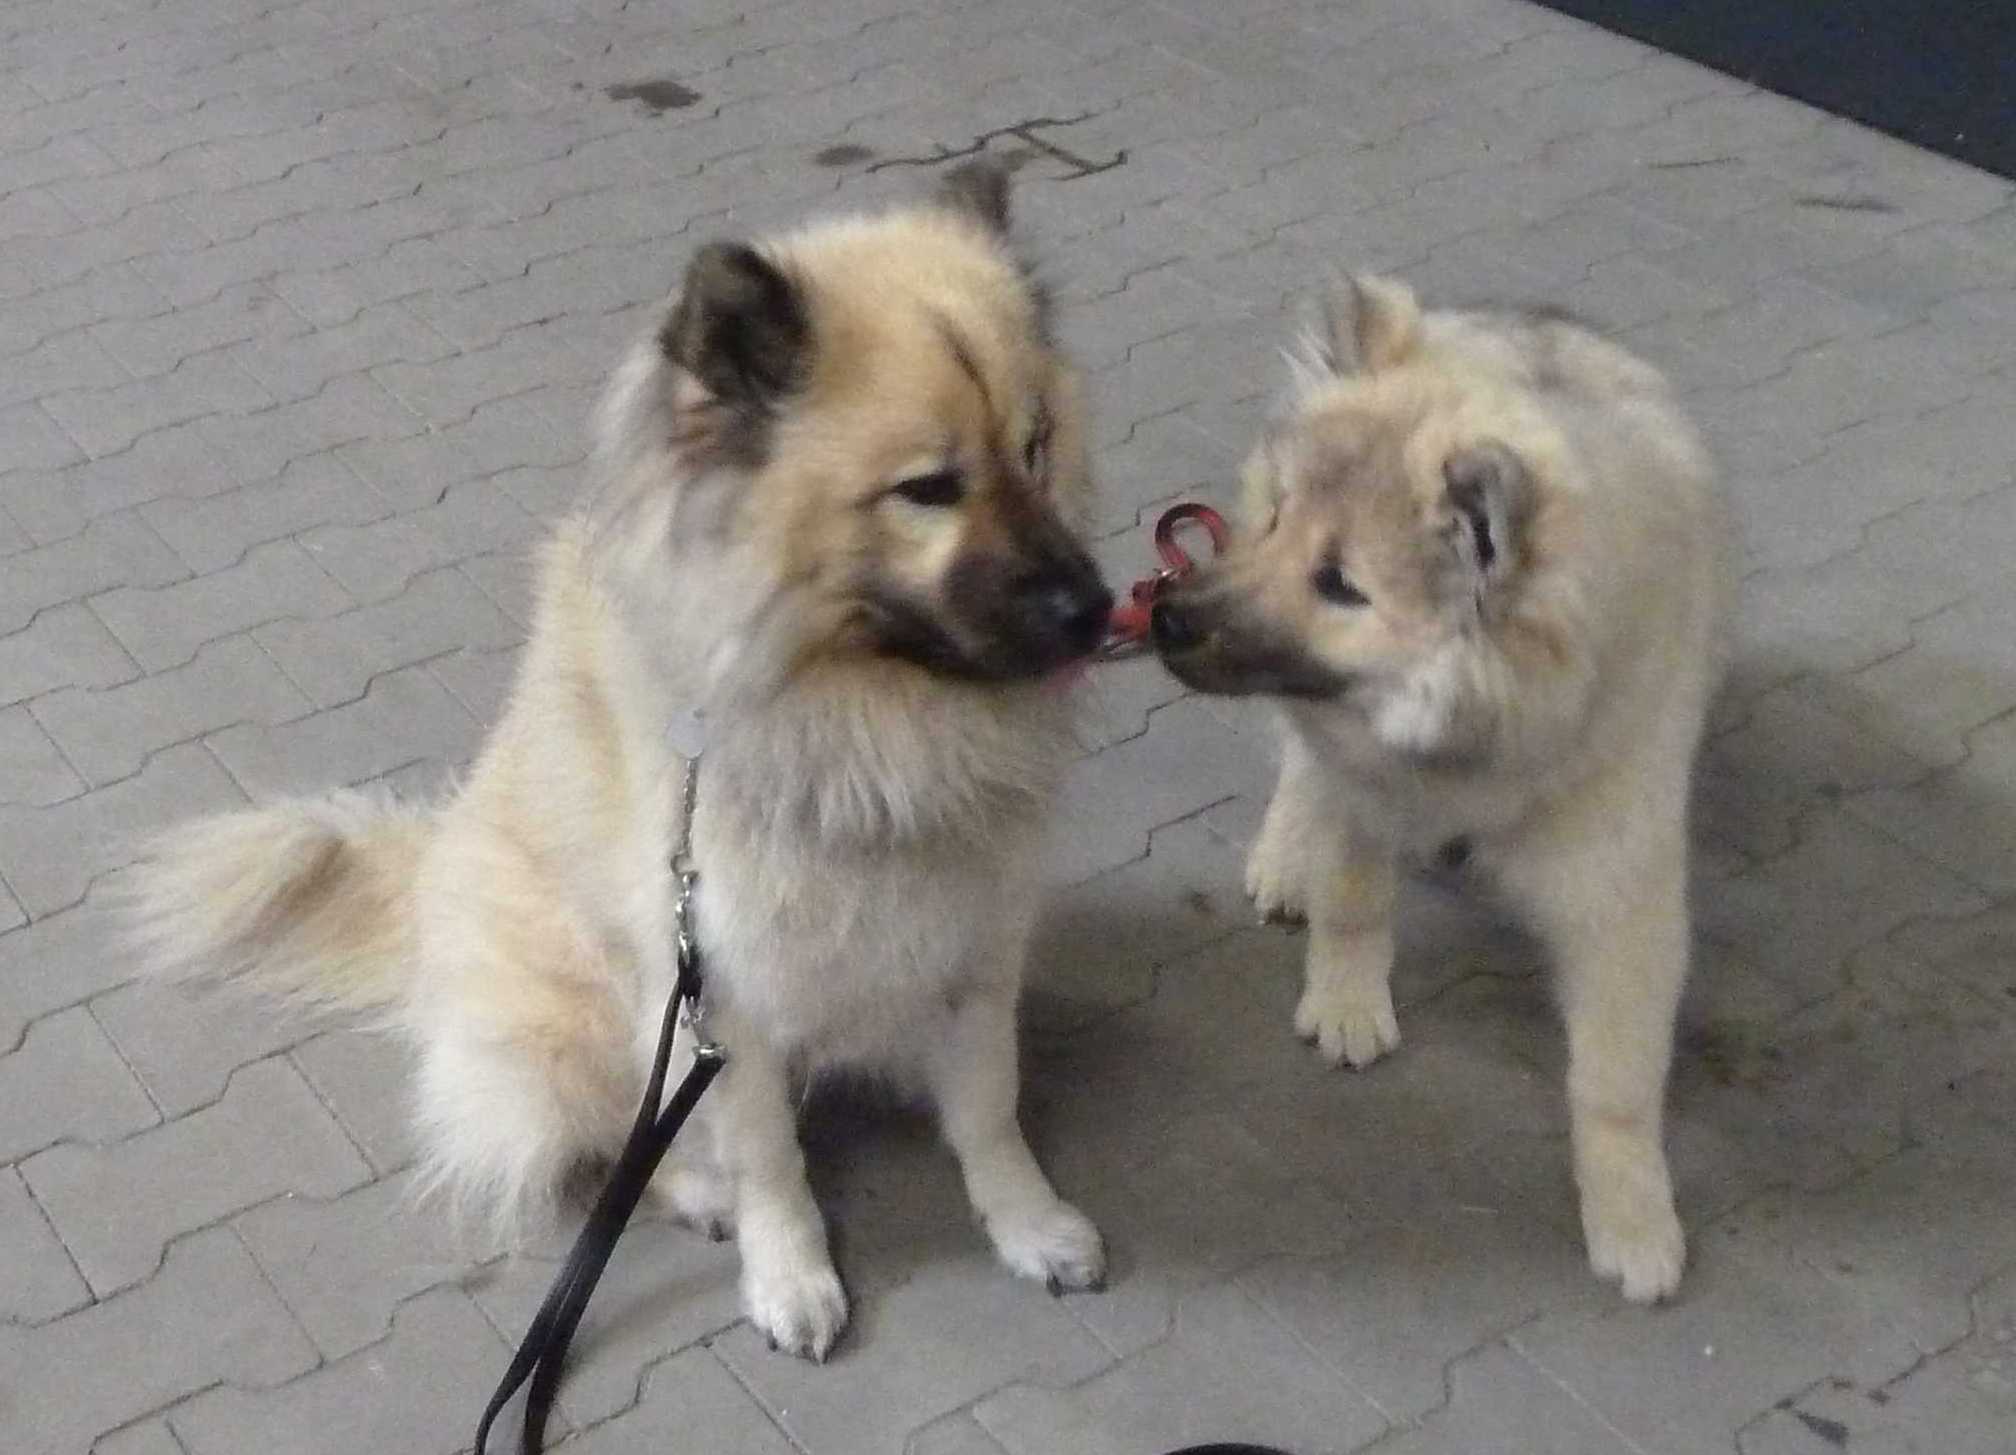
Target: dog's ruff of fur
[[1527, 568], [867, 832]]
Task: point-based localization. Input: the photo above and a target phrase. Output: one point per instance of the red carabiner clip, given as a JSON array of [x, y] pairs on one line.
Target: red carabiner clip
[[1127, 630]]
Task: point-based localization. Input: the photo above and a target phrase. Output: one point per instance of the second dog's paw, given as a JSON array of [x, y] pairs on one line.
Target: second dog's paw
[[1635, 1241], [1354, 1027], [799, 1306], [1055, 1244], [1275, 890]]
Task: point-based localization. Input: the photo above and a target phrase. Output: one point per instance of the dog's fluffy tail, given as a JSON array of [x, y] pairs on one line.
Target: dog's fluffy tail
[[309, 903]]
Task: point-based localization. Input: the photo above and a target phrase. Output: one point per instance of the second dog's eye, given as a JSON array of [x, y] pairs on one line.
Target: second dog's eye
[[939, 489], [1331, 585]]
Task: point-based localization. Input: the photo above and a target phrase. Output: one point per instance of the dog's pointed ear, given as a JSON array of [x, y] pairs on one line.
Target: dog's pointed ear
[[740, 327], [978, 189], [1361, 324], [1491, 492]]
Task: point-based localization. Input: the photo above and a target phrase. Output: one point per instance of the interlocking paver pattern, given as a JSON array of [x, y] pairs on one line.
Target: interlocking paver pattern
[[301, 310]]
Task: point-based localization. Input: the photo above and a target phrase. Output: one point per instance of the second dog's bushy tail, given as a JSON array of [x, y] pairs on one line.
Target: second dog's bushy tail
[[310, 903]]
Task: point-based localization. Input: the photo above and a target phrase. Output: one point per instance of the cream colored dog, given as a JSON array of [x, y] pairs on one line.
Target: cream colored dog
[[833, 512], [1486, 582]]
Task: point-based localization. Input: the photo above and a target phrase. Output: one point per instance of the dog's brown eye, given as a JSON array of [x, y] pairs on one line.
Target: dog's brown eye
[[938, 490], [1332, 587]]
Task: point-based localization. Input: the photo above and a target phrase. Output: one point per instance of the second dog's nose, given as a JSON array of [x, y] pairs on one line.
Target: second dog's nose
[[1172, 628]]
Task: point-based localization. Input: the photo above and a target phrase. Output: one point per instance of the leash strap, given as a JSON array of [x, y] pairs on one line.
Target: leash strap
[[544, 1349]]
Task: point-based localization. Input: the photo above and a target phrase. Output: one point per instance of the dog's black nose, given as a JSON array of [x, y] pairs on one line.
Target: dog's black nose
[[1077, 611], [1172, 628]]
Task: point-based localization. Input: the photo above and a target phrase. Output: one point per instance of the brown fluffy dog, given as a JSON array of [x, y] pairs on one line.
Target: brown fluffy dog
[[834, 499]]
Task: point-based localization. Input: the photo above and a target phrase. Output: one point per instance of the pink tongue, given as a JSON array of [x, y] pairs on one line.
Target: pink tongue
[[1062, 679]]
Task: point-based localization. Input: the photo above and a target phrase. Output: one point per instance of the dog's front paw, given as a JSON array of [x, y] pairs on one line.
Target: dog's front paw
[[1271, 883], [1054, 1243], [797, 1304], [1635, 1241], [1348, 1025]]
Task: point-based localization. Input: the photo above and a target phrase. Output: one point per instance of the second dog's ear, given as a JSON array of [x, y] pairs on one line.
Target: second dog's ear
[[740, 327], [1364, 324], [979, 190]]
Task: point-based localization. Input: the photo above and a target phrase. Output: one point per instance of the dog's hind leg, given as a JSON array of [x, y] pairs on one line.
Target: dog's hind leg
[[526, 1063], [1617, 922]]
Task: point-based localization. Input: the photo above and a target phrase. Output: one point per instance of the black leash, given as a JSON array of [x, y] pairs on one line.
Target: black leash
[[543, 1351]]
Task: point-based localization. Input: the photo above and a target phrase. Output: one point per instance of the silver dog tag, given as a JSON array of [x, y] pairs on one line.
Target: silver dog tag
[[686, 734]]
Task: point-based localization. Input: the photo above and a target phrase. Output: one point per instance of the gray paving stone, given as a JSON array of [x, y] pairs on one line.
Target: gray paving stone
[[184, 1042], [441, 1360], [1799, 741], [380, 560], [939, 1366], [404, 715], [345, 1266], [1792, 923], [958, 1434], [52, 856], [31, 440], [1188, 759], [667, 1288], [157, 342], [147, 1437], [64, 644], [1957, 675], [330, 296], [38, 1282], [206, 1317], [165, 627], [1753, 1321], [107, 421], [59, 960], [365, 1082], [212, 533], [66, 1082], [1959, 817], [688, 1393], [1498, 1401], [1227, 1371], [347, 409], [107, 734], [1392, 1312], [480, 681], [333, 660], [54, 505], [117, 550], [301, 366], [32, 770], [1948, 1192], [414, 472], [117, 1206]]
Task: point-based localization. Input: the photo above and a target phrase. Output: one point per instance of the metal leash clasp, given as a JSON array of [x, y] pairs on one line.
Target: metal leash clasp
[[690, 987], [1127, 633]]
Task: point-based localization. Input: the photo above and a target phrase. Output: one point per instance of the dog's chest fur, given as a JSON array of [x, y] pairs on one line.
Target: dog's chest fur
[[843, 941]]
